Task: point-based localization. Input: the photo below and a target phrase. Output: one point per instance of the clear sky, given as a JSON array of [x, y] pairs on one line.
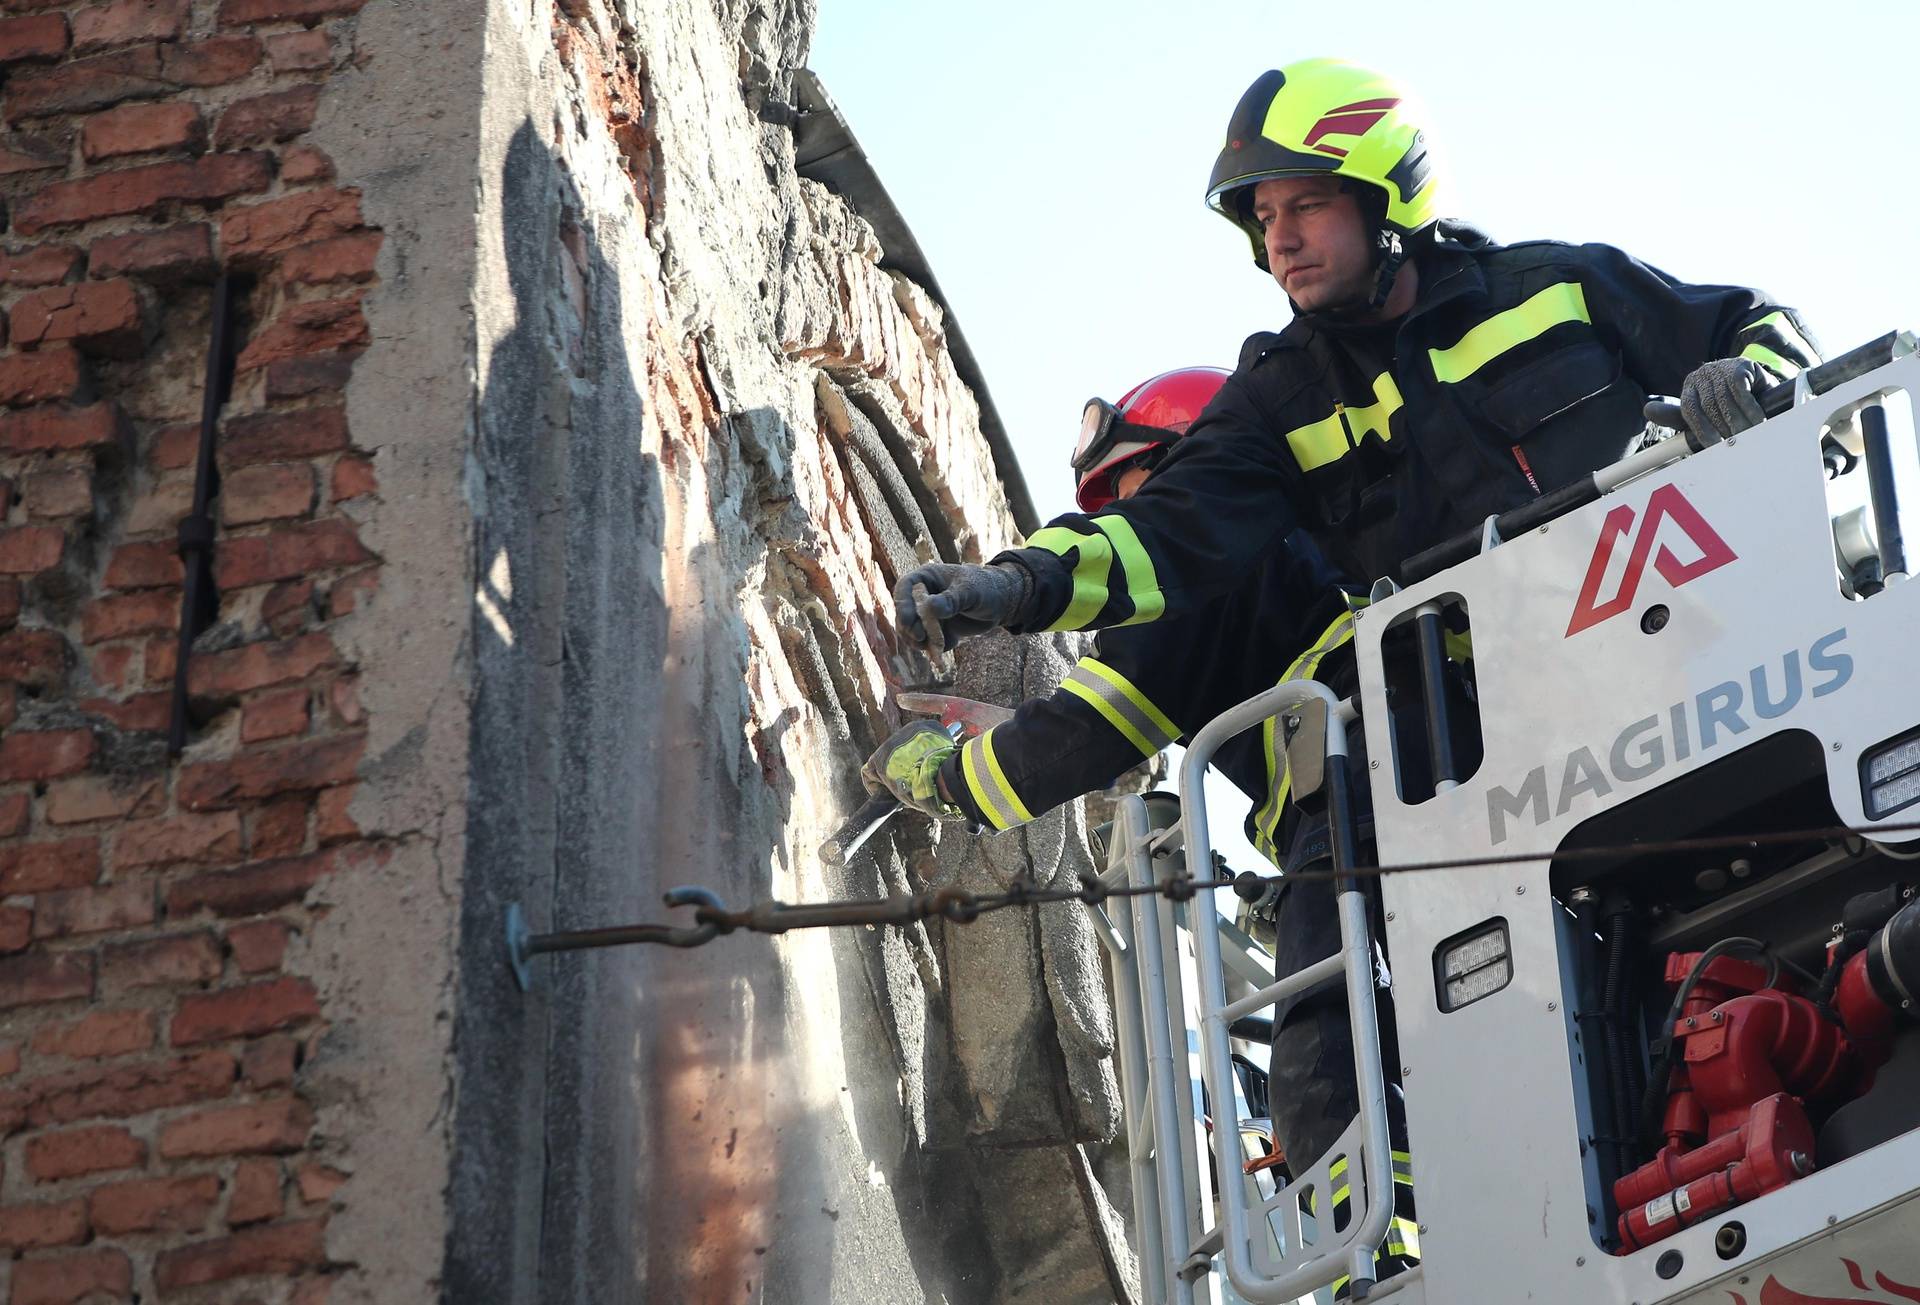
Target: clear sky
[[1052, 158]]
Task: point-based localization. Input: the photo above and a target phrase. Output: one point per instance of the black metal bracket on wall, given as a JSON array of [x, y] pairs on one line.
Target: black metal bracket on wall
[[200, 601]]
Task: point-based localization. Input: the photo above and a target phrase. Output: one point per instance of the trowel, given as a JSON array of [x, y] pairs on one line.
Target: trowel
[[961, 717]]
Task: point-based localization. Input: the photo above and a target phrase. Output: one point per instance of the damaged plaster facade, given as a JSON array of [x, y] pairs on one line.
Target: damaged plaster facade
[[589, 397]]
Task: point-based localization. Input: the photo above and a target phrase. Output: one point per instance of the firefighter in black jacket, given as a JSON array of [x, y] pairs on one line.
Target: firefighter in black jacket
[[1142, 687], [1429, 379]]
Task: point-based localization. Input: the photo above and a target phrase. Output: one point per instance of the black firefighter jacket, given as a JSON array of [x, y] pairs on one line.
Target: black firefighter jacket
[[1518, 369], [1146, 686]]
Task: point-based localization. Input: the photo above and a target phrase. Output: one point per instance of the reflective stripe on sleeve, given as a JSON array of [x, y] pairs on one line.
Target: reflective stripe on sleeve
[[1121, 704], [988, 783], [1776, 344], [1773, 362], [1113, 541], [1565, 302]]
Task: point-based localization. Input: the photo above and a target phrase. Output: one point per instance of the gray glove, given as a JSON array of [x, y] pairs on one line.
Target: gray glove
[[1717, 398], [941, 603]]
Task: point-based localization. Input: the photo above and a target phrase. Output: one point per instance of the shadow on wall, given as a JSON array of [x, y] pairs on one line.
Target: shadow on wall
[[627, 1131]]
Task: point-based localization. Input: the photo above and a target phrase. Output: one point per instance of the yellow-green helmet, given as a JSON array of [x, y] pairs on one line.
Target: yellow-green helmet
[[1325, 116]]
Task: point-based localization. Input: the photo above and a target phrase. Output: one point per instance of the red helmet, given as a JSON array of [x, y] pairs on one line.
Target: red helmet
[[1152, 414]]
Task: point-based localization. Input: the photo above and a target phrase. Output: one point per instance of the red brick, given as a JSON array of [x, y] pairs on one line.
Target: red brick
[[42, 36], [21, 153], [250, 891], [318, 1183], [303, 163], [9, 702], [44, 754], [264, 119], [281, 1248], [147, 189], [176, 839], [86, 84], [29, 1227], [142, 129], [9, 1059], [123, 22], [94, 910], [51, 429], [182, 253], [256, 1193], [300, 378], [174, 447], [112, 666], [307, 51], [287, 553], [260, 1126], [161, 507], [121, 1092], [278, 829], [101, 797], [273, 227], [72, 1279], [102, 317], [38, 265], [258, 945], [52, 1157], [258, 665], [267, 492], [274, 716], [28, 550], [244, 1012], [145, 612], [350, 591], [264, 773], [210, 63], [9, 613], [146, 713], [162, 656], [329, 326], [288, 607], [102, 1033], [283, 436], [16, 928], [35, 658], [144, 566], [60, 493], [161, 962], [344, 258], [332, 822], [269, 1062], [236, 13], [154, 1205], [353, 477], [15, 808], [35, 978], [40, 376]]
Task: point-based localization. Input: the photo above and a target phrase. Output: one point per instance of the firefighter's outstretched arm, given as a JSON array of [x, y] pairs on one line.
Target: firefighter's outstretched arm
[[1209, 516]]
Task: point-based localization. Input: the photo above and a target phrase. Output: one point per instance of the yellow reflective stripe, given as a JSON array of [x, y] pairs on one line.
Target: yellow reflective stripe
[[1266, 820], [1565, 302], [1403, 1237], [988, 783], [1329, 439], [1785, 369], [1122, 705], [1089, 573], [1143, 586], [1782, 325], [1114, 540]]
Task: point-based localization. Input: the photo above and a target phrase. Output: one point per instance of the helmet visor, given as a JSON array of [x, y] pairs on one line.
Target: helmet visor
[[1098, 420]]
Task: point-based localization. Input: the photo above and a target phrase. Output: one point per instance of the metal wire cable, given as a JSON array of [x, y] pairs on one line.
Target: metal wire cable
[[712, 918]]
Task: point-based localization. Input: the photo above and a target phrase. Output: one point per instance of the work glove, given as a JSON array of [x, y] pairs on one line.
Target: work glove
[[1717, 400], [908, 766], [940, 604]]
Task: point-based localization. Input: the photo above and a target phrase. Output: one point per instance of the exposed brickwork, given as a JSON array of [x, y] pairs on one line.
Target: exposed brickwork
[[157, 1025]]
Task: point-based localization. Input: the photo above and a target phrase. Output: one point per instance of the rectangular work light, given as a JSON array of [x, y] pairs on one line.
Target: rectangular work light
[[1890, 776], [1472, 965]]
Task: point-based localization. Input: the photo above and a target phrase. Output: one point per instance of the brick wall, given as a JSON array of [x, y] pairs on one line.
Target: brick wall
[[160, 1137]]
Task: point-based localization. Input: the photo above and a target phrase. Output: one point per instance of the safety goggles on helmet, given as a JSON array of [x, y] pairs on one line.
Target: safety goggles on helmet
[[1104, 429]]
